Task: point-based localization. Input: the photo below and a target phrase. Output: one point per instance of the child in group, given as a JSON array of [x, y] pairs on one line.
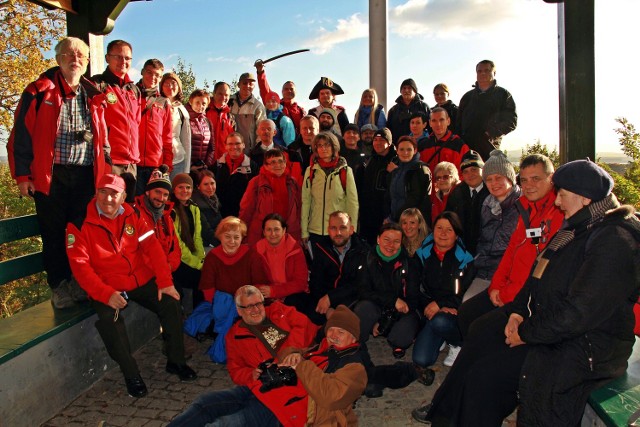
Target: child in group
[[286, 132]]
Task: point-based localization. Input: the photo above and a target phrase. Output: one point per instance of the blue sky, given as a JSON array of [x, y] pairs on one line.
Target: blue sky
[[431, 41]]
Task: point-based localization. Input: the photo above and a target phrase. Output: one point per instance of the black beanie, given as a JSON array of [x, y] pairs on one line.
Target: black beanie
[[585, 178]]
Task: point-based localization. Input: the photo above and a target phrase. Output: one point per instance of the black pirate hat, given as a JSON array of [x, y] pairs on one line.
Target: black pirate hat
[[325, 83]]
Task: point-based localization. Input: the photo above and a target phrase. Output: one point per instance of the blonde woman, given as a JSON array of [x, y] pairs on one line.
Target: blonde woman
[[369, 111], [171, 88], [414, 229]]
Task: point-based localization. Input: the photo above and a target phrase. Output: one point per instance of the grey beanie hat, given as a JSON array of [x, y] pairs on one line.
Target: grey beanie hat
[[498, 163]]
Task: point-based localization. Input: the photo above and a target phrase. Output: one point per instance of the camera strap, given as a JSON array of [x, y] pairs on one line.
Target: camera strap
[[526, 219]]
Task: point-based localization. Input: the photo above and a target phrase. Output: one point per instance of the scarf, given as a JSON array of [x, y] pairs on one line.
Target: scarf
[[279, 191], [156, 213], [397, 187], [581, 222], [387, 258], [331, 165]]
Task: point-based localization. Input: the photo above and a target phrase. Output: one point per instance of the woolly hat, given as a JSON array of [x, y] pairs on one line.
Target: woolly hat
[[385, 133], [353, 127], [159, 179], [471, 158], [272, 96], [325, 83], [329, 111], [409, 82], [182, 178], [345, 319], [498, 163], [112, 181], [368, 126], [172, 76], [585, 178]]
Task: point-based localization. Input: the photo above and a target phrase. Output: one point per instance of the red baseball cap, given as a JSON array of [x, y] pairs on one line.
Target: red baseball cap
[[113, 182]]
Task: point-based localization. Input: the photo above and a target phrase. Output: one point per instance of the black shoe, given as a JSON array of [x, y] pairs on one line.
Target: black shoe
[[136, 387], [425, 375], [398, 353], [373, 391], [422, 414], [183, 371]]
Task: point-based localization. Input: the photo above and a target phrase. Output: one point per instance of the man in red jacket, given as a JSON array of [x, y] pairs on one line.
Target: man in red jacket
[[57, 151], [155, 208], [539, 221], [116, 257], [155, 133]]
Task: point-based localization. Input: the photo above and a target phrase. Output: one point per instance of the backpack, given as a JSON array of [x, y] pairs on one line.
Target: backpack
[[342, 173]]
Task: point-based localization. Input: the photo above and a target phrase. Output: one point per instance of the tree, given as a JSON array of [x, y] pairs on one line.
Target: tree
[[627, 185], [187, 76], [27, 33], [538, 148]]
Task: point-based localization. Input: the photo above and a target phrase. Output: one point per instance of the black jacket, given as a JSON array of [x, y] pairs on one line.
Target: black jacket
[[579, 318], [417, 187], [468, 210], [492, 112], [400, 115], [372, 188], [330, 277]]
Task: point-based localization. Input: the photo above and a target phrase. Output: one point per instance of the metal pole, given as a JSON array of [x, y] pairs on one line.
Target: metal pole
[[378, 48]]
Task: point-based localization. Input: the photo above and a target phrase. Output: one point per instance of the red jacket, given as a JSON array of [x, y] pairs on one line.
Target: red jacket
[[448, 149], [290, 109], [32, 140], [257, 202], [245, 352], [120, 254], [437, 205], [516, 263], [295, 267], [222, 124], [164, 230], [155, 134], [123, 115]]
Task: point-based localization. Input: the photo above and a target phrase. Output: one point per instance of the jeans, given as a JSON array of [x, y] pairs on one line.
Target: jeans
[[442, 327], [402, 333], [237, 406]]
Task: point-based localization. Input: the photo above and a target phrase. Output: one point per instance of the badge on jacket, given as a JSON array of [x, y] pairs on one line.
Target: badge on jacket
[[112, 98], [129, 229]]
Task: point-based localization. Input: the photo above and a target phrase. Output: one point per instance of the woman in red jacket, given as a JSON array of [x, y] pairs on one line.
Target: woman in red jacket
[[284, 263], [445, 178], [273, 190]]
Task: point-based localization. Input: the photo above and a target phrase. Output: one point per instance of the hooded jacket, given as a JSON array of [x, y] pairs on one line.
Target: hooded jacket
[[31, 145], [164, 230], [223, 124], [400, 115], [156, 131]]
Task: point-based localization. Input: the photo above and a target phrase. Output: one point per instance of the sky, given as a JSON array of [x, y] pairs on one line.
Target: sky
[[431, 41]]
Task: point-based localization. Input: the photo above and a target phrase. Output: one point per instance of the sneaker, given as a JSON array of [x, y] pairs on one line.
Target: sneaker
[[136, 387], [453, 354], [60, 297], [73, 288], [421, 414]]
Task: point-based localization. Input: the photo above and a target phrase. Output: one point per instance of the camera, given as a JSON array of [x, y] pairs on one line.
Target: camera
[[83, 136], [387, 319], [274, 376], [533, 232]]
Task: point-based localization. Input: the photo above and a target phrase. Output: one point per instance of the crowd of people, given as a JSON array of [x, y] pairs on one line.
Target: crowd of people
[[302, 235]]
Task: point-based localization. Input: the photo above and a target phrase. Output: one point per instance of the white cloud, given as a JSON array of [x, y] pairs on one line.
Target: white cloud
[[449, 18], [344, 31], [239, 59], [260, 44]]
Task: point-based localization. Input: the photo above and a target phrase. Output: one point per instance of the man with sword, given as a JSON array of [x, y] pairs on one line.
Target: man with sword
[[290, 108]]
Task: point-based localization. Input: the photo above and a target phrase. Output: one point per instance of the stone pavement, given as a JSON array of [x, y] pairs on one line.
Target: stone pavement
[[108, 401]]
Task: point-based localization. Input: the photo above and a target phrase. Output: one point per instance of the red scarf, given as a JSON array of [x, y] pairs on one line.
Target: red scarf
[[279, 191], [234, 164], [331, 164]]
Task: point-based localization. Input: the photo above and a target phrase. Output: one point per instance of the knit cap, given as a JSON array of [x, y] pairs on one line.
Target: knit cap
[[353, 127], [585, 178], [159, 179], [385, 133], [498, 163], [182, 178], [409, 82], [272, 96], [471, 158], [345, 319], [368, 126]]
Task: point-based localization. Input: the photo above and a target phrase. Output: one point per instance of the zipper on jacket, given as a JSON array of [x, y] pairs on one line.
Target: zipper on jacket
[[589, 352]]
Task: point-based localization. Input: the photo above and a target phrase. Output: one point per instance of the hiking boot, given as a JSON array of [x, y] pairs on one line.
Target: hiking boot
[[453, 354], [421, 414], [73, 288], [60, 297]]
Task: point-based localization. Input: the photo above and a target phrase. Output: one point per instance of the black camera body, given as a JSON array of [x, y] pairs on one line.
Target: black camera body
[[274, 376], [83, 136], [388, 318]]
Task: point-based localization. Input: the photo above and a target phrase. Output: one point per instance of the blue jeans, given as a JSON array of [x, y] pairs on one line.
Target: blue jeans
[[236, 406], [442, 327]]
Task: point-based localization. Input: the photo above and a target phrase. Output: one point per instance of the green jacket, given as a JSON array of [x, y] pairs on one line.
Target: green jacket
[[324, 194], [193, 260]]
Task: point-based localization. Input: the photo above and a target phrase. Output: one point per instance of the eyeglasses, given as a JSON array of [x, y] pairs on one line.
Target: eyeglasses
[[323, 146], [276, 162], [80, 56], [252, 306], [443, 177], [120, 57]]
